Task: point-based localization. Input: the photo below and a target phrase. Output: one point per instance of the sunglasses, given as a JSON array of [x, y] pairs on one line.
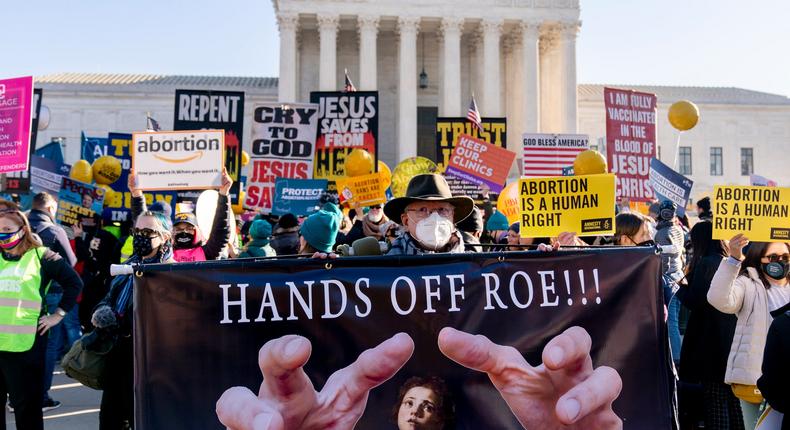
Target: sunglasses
[[775, 258], [145, 232]]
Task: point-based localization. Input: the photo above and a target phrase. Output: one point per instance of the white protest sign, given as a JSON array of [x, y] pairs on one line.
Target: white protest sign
[[283, 146], [178, 160]]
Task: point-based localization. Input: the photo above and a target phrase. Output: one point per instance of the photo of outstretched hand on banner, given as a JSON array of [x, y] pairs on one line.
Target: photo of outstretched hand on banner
[[564, 392]]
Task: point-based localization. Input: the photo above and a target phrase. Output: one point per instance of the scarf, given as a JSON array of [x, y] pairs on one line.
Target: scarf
[[124, 283], [371, 228]]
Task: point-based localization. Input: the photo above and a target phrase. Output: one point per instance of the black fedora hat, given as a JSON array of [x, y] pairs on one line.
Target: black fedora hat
[[430, 187]]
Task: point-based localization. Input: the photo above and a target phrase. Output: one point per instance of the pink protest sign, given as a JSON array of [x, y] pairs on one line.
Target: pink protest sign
[[16, 99]]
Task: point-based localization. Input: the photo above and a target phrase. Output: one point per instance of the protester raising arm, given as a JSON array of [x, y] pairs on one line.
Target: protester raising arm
[[725, 294], [220, 229], [138, 200]]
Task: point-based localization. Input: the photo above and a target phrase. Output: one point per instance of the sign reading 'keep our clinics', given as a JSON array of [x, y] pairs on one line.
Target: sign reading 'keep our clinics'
[[178, 159], [481, 163]]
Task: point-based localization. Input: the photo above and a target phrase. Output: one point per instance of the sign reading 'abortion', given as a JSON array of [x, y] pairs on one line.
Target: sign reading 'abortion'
[[761, 213], [178, 160]]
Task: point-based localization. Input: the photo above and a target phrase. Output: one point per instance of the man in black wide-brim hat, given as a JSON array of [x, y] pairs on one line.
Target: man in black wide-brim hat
[[428, 213]]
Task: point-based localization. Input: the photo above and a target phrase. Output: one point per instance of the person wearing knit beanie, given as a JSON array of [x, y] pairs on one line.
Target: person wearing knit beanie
[[162, 207], [497, 222], [496, 228], [319, 230], [260, 235]]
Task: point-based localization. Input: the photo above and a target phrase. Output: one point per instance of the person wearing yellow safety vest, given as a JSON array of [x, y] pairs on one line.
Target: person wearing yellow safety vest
[[26, 270]]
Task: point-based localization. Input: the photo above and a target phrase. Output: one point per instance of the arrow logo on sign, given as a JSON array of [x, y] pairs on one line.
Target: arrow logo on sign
[[177, 160]]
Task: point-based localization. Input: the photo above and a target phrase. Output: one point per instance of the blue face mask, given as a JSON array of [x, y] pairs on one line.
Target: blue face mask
[[776, 270]]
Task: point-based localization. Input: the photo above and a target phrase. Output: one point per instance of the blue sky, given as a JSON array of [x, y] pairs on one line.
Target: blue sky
[[668, 42]]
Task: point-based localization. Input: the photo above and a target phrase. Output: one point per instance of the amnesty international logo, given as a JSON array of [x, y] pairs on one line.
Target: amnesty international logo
[[780, 233], [596, 225]]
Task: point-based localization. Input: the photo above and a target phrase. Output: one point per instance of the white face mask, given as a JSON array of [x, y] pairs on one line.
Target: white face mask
[[435, 231], [375, 216]]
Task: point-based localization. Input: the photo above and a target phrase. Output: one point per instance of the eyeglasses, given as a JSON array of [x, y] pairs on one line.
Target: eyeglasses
[[775, 258], [145, 232], [188, 228], [424, 212], [375, 207]]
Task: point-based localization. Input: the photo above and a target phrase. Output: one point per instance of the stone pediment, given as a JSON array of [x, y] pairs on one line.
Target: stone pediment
[[557, 4], [469, 9]]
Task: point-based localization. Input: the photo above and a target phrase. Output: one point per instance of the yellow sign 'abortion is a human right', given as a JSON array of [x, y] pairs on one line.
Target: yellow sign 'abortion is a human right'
[[760, 213], [580, 204]]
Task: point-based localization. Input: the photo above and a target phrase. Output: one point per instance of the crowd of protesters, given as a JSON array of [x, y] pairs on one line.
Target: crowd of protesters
[[726, 302]]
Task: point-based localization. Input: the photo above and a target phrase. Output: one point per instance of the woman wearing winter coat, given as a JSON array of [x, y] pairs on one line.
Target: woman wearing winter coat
[[750, 286]]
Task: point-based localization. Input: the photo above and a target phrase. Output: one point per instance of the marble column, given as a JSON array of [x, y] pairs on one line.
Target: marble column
[[492, 30], [514, 70], [568, 32], [368, 34], [451, 29], [289, 26], [408, 27], [549, 81], [530, 53], [327, 74]]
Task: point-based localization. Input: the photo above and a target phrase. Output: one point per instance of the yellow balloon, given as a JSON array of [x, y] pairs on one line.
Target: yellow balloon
[[385, 172], [81, 171], [589, 162], [683, 115], [509, 202], [407, 169], [106, 169], [358, 162], [108, 193], [245, 158]]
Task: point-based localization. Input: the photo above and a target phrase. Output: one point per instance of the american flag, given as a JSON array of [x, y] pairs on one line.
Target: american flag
[[152, 124], [547, 154], [473, 115], [349, 87]]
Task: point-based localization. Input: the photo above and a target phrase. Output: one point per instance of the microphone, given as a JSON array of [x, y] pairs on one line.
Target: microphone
[[365, 246], [121, 269]]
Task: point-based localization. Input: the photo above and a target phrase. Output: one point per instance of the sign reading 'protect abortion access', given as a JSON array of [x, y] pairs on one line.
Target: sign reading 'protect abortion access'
[[178, 160]]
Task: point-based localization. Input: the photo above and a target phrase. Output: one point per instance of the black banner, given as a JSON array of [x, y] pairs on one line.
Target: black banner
[[194, 338], [218, 110]]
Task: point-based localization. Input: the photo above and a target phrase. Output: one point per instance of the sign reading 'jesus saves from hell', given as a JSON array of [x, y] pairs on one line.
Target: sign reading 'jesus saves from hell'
[[178, 160]]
